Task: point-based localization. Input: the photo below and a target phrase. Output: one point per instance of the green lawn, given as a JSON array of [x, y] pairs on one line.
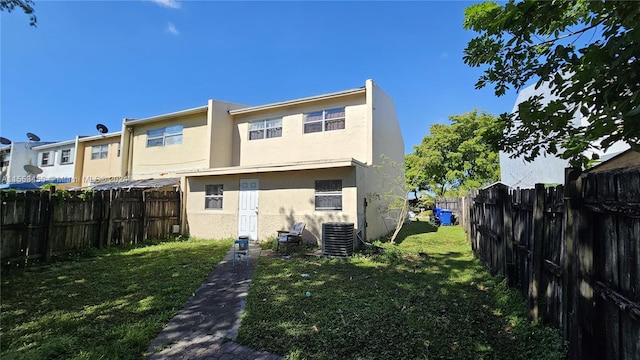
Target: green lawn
[[425, 298], [108, 306]]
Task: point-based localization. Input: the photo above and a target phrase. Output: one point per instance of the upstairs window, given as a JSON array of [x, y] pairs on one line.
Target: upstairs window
[[65, 156], [99, 152], [169, 135], [325, 120], [329, 195], [265, 129], [46, 159], [213, 196]]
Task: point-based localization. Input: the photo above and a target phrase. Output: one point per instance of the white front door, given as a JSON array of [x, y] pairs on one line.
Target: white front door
[[248, 208]]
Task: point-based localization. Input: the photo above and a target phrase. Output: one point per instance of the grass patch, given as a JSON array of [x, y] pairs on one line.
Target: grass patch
[[109, 306], [425, 298]]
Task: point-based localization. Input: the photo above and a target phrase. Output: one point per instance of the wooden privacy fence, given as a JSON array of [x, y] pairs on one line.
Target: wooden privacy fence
[[573, 251], [39, 224], [453, 204]]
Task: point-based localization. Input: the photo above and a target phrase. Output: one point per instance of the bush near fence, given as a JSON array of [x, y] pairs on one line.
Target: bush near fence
[[573, 251], [39, 224]]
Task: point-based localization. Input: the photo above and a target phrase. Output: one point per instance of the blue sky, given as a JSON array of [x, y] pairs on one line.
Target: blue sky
[[90, 62]]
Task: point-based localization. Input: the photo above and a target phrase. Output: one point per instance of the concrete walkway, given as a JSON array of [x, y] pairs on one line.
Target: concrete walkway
[[207, 326]]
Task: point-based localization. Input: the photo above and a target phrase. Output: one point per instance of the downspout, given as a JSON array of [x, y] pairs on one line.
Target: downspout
[[130, 154]]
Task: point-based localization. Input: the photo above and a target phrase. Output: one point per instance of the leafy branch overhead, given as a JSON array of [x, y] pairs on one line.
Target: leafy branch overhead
[[25, 5], [587, 51]]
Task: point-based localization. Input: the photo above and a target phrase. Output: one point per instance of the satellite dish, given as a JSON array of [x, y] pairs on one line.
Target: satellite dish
[[31, 169], [5, 141], [33, 137], [102, 129]]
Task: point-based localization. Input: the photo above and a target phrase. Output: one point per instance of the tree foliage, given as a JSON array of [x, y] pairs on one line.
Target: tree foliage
[[587, 51], [25, 5], [454, 158]]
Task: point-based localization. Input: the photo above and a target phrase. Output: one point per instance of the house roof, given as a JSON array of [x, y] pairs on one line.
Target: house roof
[[301, 165], [166, 116], [298, 101], [101, 136], [625, 159], [55, 144], [138, 184]]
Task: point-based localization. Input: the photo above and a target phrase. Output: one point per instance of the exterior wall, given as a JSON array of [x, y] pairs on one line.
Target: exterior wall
[[284, 198], [192, 154], [294, 145], [99, 170], [385, 182], [56, 170], [20, 154], [546, 169], [221, 130]]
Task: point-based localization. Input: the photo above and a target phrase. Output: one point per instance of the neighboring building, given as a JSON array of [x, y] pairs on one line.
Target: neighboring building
[[14, 157], [98, 159], [57, 161], [315, 159], [624, 160], [546, 169]]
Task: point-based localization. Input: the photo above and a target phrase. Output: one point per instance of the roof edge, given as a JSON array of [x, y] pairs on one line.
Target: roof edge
[[191, 111], [298, 101]]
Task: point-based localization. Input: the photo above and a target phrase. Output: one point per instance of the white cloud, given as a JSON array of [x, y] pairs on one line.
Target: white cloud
[[173, 4], [172, 29]]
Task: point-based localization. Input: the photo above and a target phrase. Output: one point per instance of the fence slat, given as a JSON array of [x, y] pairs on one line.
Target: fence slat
[[43, 223]]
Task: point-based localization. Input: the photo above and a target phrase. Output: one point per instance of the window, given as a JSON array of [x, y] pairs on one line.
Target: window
[[65, 156], [118, 150], [325, 120], [165, 136], [46, 159], [5, 159], [99, 152], [213, 196], [329, 195], [265, 129]]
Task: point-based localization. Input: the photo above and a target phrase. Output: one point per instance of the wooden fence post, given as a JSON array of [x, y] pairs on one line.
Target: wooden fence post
[[507, 236], [49, 233], [538, 233], [572, 206]]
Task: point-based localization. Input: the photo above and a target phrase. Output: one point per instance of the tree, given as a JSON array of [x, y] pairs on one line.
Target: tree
[[25, 5], [586, 50], [455, 158]]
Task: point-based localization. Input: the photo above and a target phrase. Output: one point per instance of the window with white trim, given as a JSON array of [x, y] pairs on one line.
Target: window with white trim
[[169, 135], [46, 159], [325, 120], [265, 129], [65, 156], [213, 196], [99, 151], [328, 195]]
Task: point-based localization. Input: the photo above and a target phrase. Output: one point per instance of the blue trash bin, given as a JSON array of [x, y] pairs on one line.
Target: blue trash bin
[[445, 216], [436, 211]]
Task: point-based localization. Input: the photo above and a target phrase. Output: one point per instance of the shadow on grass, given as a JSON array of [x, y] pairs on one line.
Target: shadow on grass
[[110, 306], [396, 304]]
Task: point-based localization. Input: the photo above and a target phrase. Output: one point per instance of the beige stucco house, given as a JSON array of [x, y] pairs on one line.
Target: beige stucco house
[[255, 170], [98, 159]]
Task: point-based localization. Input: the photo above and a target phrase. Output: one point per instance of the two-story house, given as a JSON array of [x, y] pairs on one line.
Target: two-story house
[[317, 159], [98, 159], [14, 157], [57, 162]]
